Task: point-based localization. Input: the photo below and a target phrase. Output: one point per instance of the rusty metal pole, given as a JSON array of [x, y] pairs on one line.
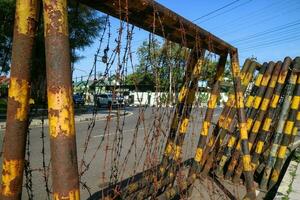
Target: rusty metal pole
[[211, 105], [287, 133], [18, 99], [60, 103], [224, 154], [279, 129], [265, 129], [225, 119], [250, 120], [247, 170], [261, 115]]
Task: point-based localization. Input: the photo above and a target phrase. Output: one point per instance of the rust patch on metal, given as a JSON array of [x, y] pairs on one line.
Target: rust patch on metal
[[55, 17], [19, 92], [61, 114], [11, 173]]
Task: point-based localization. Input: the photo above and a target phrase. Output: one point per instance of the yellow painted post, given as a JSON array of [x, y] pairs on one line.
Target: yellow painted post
[[60, 102], [18, 99]]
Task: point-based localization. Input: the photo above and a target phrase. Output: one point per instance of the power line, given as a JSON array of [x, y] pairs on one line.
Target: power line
[[245, 26], [268, 31], [249, 14], [273, 42], [226, 11], [295, 32], [214, 11]]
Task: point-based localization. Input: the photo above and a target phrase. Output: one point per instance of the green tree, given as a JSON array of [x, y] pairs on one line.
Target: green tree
[[158, 64], [84, 26], [6, 31]]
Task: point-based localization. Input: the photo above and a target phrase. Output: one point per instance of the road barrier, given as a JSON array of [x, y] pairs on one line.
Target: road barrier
[[257, 125]]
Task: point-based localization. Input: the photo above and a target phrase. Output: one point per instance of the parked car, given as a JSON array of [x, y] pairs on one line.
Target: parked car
[[78, 99], [107, 100], [104, 100]]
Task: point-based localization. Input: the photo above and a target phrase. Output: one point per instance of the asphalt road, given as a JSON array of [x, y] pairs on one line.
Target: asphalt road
[[117, 148]]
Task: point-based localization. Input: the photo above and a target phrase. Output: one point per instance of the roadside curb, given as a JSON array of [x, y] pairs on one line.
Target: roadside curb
[[38, 122], [286, 183]]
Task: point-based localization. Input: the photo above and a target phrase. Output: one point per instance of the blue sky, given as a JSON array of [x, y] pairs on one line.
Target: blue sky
[[266, 29]]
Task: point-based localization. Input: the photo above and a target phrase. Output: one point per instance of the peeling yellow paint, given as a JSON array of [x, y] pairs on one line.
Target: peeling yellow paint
[[169, 148], [235, 69], [249, 123], [182, 94], [282, 152], [211, 141], [72, 195], [275, 175], [275, 100], [26, 10], [259, 147], [227, 123], [288, 127], [298, 116], [257, 102], [249, 102], [55, 16], [197, 68], [205, 128], [184, 126], [247, 163], [295, 102], [240, 100], [19, 92], [231, 141], [258, 80], [256, 126], [267, 124], [177, 153], [212, 101], [265, 104], [198, 155], [295, 131], [11, 170], [243, 131], [63, 120]]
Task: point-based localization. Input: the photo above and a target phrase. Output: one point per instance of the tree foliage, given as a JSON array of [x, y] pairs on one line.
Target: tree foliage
[[84, 26], [6, 31], [158, 64], [164, 64]]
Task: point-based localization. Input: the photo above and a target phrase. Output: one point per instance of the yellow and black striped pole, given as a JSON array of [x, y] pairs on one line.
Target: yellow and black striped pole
[[263, 76], [177, 150], [279, 129], [260, 116], [253, 111], [287, 133], [226, 118], [242, 126], [211, 105], [207, 163], [25, 26], [265, 129]]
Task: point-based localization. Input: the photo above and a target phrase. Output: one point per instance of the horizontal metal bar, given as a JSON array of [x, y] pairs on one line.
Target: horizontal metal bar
[[164, 23]]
